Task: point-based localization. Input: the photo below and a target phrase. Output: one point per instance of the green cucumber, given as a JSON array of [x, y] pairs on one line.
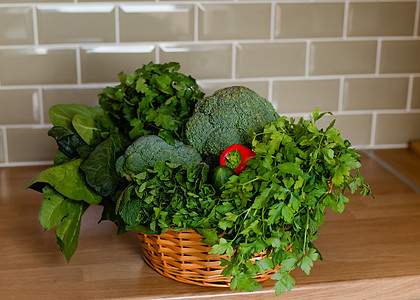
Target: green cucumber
[[220, 175]]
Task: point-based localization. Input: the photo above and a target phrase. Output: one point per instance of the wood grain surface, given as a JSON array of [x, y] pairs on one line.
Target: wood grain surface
[[371, 250]]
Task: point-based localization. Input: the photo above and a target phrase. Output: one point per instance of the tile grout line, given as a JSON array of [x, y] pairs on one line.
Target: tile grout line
[[196, 12], [35, 24], [378, 56], [41, 105], [416, 18], [262, 78], [272, 20], [307, 58], [373, 129], [215, 42], [5, 147], [234, 53], [410, 92], [345, 19], [393, 171], [78, 66], [117, 24], [157, 54], [341, 95], [270, 93]]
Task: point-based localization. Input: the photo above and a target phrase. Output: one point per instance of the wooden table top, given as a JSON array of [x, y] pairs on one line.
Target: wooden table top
[[371, 250]]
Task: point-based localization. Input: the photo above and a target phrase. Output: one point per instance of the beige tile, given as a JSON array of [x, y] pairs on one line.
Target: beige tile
[[33, 1], [328, 58], [200, 61], [272, 59], [103, 63], [16, 26], [76, 23], [355, 128], [381, 19], [50, 97], [118, 1], [397, 128], [305, 20], [19, 107], [375, 93], [260, 87], [2, 154], [305, 95], [30, 144], [234, 21], [400, 57], [415, 97], [37, 66], [170, 22]]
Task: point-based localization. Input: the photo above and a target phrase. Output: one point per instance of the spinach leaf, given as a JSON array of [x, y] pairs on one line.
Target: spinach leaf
[[62, 114], [53, 208], [99, 167], [86, 128], [59, 210], [60, 158], [67, 232], [68, 181], [68, 142]]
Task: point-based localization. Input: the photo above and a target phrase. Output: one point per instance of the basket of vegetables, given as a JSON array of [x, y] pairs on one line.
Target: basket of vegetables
[[221, 190]]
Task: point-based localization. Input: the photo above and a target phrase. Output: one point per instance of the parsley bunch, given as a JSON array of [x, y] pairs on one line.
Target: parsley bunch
[[155, 99], [278, 202]]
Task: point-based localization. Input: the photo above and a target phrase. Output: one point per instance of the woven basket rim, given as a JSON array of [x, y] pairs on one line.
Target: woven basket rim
[[183, 257]]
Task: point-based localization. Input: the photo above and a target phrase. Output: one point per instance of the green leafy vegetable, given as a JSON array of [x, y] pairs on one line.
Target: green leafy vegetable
[[280, 198], [68, 181], [68, 142], [68, 231], [58, 210], [155, 99], [169, 195], [99, 167], [53, 208]]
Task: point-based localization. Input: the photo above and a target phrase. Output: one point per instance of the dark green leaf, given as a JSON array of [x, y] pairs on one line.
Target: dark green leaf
[[99, 167]]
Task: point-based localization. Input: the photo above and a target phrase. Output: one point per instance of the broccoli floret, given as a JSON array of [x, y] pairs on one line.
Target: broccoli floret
[[226, 117], [147, 150]]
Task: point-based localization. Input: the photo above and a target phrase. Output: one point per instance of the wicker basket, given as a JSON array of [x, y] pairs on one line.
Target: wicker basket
[[182, 257]]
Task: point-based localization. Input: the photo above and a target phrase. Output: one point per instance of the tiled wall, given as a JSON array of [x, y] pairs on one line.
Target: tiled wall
[[359, 59]]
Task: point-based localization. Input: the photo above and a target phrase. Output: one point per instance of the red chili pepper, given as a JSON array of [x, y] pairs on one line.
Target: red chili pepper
[[228, 157]]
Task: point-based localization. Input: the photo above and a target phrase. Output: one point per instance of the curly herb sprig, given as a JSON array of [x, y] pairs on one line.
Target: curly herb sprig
[[279, 201]]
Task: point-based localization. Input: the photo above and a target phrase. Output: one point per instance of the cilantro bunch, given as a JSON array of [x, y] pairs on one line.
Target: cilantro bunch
[[155, 99], [278, 203]]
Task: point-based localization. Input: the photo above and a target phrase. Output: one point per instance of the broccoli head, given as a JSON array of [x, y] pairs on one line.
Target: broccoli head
[[226, 117], [149, 149]]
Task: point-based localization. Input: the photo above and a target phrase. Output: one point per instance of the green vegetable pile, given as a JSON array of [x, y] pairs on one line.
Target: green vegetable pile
[[155, 99], [149, 154]]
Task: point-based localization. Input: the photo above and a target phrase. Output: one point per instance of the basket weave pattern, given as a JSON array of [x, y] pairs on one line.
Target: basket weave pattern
[[182, 257]]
